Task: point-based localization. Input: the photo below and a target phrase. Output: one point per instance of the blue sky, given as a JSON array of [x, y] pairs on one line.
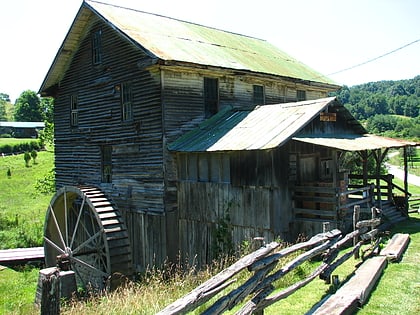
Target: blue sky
[[328, 35]]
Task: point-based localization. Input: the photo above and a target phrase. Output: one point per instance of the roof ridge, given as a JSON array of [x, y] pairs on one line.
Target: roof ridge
[[172, 18]]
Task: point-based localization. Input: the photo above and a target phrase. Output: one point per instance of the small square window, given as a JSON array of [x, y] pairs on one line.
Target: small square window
[[300, 95]]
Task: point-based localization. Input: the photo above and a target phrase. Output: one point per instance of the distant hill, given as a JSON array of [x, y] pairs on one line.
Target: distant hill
[[389, 108]]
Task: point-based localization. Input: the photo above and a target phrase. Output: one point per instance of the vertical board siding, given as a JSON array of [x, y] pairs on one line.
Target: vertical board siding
[[201, 205]]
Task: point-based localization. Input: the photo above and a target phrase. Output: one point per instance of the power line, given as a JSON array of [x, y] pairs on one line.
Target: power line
[[373, 59]]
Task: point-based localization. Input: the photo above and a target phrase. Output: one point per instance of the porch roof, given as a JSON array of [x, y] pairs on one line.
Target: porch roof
[[355, 142], [263, 127]]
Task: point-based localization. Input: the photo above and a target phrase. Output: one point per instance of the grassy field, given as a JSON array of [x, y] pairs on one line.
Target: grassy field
[[22, 205]]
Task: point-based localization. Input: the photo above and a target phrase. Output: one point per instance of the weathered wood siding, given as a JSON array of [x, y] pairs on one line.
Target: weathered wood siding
[[250, 207], [248, 212], [137, 160]]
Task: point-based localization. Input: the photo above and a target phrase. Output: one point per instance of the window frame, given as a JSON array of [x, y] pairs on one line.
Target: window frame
[[126, 99], [106, 164], [300, 95], [74, 110], [258, 94], [97, 47], [211, 96]]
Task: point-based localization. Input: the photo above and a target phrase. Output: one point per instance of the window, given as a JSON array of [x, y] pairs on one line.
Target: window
[[97, 47], [258, 96], [106, 164], [300, 95], [126, 102], [211, 96], [74, 111]]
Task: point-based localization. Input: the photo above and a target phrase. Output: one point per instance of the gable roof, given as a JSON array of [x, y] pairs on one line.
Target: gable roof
[[171, 40], [270, 126]]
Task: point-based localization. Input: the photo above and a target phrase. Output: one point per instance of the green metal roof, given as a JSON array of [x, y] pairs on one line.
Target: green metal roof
[[172, 40], [264, 127], [270, 126]]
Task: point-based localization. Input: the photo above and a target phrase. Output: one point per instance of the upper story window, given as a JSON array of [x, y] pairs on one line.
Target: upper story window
[[97, 47], [211, 96], [126, 101], [258, 95], [106, 164], [74, 111], [300, 95]]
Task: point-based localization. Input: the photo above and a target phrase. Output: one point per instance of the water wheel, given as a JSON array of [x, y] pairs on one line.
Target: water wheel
[[84, 232]]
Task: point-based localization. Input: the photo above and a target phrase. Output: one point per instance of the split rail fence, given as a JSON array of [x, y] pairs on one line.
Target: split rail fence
[[259, 289]]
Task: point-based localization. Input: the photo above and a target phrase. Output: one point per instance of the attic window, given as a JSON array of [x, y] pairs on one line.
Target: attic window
[[258, 95], [300, 95], [211, 96], [97, 47]]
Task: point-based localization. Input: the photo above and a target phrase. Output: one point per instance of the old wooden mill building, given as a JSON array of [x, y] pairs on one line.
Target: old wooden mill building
[[175, 138]]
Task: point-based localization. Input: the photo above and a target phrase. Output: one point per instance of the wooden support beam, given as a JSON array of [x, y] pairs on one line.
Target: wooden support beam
[[356, 291], [396, 247]]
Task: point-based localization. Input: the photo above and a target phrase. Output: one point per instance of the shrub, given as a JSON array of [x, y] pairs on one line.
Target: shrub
[[34, 154], [46, 185], [27, 157], [21, 147]]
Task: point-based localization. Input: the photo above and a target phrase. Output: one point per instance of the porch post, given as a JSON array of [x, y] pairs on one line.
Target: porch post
[[364, 156], [405, 181], [377, 156]]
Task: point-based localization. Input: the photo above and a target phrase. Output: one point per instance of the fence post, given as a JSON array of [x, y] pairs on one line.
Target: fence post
[[50, 291], [325, 227], [356, 213]]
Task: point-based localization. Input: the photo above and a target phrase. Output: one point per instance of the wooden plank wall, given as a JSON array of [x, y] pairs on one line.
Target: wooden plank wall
[[252, 211]]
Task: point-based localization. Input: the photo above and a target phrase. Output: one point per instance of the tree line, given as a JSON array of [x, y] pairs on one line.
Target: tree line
[[390, 108], [28, 107]]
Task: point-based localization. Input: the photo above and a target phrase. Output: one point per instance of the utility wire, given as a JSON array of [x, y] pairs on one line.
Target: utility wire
[[371, 60]]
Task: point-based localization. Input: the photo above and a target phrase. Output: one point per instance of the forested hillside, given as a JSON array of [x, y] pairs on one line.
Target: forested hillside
[[386, 107]]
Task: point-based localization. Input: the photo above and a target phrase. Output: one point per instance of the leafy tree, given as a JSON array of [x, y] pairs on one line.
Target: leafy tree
[[47, 106], [3, 115], [28, 107], [5, 97]]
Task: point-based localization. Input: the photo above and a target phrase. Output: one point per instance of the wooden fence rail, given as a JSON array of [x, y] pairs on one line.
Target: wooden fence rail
[[263, 265]]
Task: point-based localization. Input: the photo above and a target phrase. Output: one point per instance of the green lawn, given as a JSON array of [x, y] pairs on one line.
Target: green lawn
[[22, 206]]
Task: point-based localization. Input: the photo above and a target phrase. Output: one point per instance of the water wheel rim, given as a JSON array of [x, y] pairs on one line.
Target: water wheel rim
[[74, 233]]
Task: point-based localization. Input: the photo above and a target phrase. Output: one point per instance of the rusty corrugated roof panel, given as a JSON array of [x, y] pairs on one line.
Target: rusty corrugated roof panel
[[355, 142], [264, 127]]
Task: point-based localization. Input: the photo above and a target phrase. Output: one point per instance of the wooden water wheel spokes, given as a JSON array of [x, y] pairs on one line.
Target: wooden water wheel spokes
[[84, 232]]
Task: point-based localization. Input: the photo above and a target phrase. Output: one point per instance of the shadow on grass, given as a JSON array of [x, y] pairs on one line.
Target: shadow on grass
[[410, 226]]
